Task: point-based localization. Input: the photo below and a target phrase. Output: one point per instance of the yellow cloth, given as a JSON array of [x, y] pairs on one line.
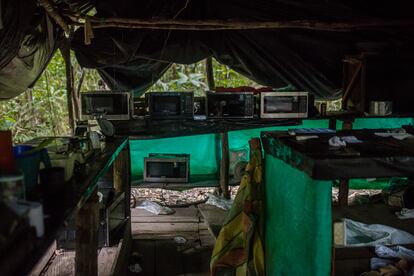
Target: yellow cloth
[[239, 247]]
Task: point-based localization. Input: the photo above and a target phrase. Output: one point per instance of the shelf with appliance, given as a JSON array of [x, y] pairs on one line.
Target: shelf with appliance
[[147, 128], [78, 198]]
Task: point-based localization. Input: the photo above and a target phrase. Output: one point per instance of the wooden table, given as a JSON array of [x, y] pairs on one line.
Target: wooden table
[[80, 198], [374, 157]]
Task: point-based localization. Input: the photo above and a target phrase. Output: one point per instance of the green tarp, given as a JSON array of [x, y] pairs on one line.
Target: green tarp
[[202, 147], [298, 225]]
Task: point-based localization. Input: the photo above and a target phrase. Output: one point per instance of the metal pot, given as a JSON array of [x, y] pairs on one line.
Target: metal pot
[[380, 108]]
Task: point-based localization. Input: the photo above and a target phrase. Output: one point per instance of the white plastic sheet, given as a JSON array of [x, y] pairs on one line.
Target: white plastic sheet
[[360, 234], [154, 208]]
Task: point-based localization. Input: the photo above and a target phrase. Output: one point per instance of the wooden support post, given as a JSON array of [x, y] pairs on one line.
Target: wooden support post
[[332, 123], [210, 73], [343, 192], [122, 174], [224, 165], [87, 225], [65, 50]]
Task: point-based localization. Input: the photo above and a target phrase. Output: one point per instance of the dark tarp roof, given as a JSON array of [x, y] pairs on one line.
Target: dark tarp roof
[[27, 42], [310, 60]]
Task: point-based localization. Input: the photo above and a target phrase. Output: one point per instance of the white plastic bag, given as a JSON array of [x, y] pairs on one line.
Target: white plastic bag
[[394, 252], [154, 208], [360, 234], [219, 202]]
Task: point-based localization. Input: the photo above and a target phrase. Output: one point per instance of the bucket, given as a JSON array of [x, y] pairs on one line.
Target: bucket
[[28, 161]]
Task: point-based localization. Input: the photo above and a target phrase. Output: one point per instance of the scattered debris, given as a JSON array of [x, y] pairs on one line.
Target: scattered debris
[[154, 208], [135, 268], [358, 197], [219, 202], [172, 198], [180, 240]]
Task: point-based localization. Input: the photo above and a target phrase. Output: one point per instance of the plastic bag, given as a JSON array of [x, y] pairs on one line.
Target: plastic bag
[[394, 252], [219, 202], [154, 208], [360, 234]]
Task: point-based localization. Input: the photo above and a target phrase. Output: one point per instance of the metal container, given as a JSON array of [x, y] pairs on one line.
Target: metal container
[[380, 108], [12, 186]]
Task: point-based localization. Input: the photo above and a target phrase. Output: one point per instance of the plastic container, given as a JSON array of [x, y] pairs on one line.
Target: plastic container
[[28, 161], [12, 186], [7, 162]]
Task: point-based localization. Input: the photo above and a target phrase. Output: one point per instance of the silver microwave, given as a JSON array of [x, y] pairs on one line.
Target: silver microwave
[[281, 105], [113, 105], [167, 168]]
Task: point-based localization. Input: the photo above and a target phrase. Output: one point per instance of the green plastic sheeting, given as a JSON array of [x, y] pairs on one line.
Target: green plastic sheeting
[[200, 147], [376, 123], [298, 225]]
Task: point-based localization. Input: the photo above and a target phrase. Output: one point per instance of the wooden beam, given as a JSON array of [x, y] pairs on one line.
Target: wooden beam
[[87, 224], [210, 73], [343, 192], [351, 85], [55, 15], [209, 25], [65, 50], [224, 165]]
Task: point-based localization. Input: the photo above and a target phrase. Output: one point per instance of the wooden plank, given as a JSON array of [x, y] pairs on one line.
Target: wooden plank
[[164, 219], [147, 228], [106, 259], [214, 217], [40, 266], [224, 165], [166, 236], [62, 264], [87, 223], [123, 252], [186, 212]]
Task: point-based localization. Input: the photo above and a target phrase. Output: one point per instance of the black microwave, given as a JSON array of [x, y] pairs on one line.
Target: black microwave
[[170, 105], [281, 105], [167, 168], [230, 104]]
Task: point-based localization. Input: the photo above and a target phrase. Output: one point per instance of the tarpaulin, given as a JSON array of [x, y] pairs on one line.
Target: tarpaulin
[[309, 60], [27, 43], [298, 228]]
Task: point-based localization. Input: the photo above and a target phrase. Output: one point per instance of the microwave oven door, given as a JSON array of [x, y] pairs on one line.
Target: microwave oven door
[[284, 106]]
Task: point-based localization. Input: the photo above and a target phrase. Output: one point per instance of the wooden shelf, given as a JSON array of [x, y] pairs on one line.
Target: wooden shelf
[[145, 128], [75, 193]]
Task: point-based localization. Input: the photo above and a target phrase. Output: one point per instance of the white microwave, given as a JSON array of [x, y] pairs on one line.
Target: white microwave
[[112, 105], [284, 105]]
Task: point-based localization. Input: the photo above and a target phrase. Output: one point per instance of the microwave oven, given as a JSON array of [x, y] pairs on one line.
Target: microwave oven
[[112, 105], [170, 105], [230, 104], [284, 105], [173, 168]]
